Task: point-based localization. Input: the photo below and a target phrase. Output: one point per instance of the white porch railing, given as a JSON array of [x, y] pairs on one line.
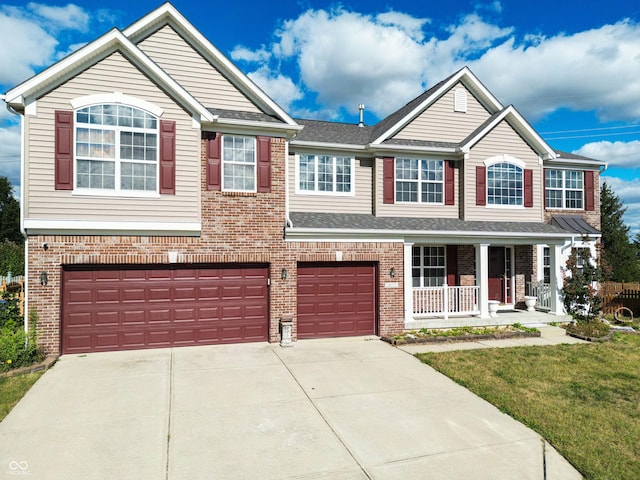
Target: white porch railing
[[445, 300], [542, 292]]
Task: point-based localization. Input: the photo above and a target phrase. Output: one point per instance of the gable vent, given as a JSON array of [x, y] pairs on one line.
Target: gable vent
[[460, 100]]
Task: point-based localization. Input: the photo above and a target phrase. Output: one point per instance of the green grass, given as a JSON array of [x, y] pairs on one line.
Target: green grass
[[12, 389], [584, 399]]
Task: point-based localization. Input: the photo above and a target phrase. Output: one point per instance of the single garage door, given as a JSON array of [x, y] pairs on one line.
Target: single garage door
[[132, 307], [336, 299]]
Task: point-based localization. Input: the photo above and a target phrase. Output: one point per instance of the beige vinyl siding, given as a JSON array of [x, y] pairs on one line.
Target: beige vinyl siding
[[193, 72], [359, 203], [440, 123], [114, 73], [503, 140], [414, 209]]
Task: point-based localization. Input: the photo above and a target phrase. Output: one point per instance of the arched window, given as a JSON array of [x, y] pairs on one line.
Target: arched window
[[116, 148], [505, 184]]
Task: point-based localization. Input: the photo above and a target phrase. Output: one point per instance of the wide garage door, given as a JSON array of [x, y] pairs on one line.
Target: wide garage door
[[131, 307], [336, 299]]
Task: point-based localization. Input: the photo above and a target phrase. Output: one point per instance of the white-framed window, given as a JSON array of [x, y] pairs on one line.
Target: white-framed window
[[238, 163], [116, 149], [546, 265], [419, 180], [564, 189], [325, 174], [505, 184], [428, 267]]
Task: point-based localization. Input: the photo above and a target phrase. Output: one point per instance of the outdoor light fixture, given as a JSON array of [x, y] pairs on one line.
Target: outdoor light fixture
[[392, 272], [283, 274], [44, 279]]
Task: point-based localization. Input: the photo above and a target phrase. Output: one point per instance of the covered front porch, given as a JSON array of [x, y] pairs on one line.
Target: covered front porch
[[486, 283]]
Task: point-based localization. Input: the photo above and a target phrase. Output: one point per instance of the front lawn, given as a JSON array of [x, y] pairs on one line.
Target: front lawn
[[12, 389], [584, 399]]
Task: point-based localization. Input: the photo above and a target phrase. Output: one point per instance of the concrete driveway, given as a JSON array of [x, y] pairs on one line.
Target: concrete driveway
[[337, 409]]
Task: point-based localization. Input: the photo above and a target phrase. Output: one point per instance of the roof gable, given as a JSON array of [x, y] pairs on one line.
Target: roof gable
[[89, 55], [395, 122], [518, 123], [166, 14]]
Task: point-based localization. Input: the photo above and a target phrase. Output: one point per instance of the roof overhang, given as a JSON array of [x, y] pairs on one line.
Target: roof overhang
[[427, 236], [90, 54]]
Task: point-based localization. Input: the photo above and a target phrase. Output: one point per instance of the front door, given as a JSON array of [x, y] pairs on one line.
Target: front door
[[499, 274]]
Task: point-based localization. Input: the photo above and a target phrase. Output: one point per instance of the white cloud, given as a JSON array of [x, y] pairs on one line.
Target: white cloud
[[384, 60], [244, 54], [592, 70], [628, 191], [621, 154], [69, 16], [280, 87], [25, 45]]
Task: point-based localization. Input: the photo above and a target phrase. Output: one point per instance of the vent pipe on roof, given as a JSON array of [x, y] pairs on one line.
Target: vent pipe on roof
[[361, 108]]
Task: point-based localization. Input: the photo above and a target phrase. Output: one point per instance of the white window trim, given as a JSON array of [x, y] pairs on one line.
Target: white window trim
[[317, 192], [564, 190], [418, 181], [255, 164], [117, 191], [422, 266], [118, 98]]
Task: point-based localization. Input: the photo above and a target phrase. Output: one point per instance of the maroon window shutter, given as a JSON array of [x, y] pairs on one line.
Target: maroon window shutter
[[264, 164], [388, 180], [589, 191], [449, 183], [528, 188], [481, 185], [63, 150], [167, 157], [214, 161], [452, 265]]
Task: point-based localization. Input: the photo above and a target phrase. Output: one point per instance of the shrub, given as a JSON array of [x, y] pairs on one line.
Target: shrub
[[17, 348]]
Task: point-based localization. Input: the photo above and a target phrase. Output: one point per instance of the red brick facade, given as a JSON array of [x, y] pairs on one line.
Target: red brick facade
[[236, 228]]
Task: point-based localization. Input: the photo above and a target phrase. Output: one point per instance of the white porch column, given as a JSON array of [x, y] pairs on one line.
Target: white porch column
[[482, 278], [408, 283], [555, 288]]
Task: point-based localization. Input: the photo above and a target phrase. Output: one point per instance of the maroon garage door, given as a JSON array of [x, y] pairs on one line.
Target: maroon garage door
[[130, 307], [336, 299]]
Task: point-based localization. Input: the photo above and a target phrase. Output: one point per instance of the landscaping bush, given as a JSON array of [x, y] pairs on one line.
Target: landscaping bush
[[17, 348]]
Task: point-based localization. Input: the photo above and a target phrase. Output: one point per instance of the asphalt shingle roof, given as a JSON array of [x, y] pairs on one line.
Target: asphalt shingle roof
[[371, 222], [333, 132], [241, 115]]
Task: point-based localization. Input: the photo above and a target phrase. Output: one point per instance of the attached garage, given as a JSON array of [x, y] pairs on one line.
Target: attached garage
[[133, 307], [336, 299]]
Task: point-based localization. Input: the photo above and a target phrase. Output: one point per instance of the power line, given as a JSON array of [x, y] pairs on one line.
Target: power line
[[594, 136], [590, 129]]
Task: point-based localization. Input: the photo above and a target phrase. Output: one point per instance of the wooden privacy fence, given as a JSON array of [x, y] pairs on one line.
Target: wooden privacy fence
[[14, 284], [615, 295]]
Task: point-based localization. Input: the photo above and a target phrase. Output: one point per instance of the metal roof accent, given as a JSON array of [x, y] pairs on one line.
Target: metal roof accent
[[574, 224]]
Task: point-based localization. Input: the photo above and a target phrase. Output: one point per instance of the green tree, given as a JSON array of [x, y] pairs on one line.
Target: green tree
[[9, 214], [618, 254]]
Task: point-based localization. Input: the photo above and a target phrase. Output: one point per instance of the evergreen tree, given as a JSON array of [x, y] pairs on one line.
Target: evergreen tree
[[9, 214], [618, 254]]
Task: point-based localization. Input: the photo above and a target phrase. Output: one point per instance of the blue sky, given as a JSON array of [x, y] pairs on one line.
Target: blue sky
[[571, 68]]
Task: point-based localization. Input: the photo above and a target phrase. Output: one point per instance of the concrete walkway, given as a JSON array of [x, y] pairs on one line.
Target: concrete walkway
[[337, 409]]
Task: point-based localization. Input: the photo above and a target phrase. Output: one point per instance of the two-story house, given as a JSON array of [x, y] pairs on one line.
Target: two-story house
[[168, 201]]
